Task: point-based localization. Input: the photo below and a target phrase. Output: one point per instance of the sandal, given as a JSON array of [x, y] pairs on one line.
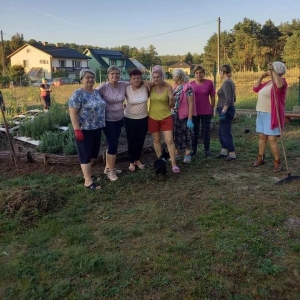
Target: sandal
[[131, 168], [175, 169], [95, 178], [141, 166], [93, 186]]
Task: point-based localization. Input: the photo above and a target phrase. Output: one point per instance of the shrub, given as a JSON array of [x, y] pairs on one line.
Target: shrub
[[57, 116], [51, 142], [58, 142]]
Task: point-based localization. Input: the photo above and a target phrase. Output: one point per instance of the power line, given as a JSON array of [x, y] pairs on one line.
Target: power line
[[164, 33], [7, 34]]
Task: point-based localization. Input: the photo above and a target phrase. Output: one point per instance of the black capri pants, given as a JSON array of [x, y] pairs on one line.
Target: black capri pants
[[136, 130], [90, 146], [112, 131]]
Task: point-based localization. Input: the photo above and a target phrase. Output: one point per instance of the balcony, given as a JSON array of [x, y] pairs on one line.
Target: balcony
[[68, 69]]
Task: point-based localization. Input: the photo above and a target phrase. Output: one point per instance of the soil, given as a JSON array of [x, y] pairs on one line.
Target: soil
[[8, 168]]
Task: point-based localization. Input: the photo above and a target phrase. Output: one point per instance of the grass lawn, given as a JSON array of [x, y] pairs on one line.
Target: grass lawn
[[217, 230]]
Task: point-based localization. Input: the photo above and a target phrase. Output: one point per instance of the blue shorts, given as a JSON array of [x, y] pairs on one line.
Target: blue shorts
[[263, 124], [90, 146]]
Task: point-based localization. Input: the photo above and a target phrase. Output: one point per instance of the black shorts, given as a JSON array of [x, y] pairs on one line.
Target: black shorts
[[90, 146], [46, 100]]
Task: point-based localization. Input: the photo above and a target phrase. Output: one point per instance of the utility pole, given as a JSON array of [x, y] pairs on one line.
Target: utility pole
[[219, 37], [3, 60]]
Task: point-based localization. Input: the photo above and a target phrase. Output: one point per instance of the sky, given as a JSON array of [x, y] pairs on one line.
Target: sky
[[172, 27]]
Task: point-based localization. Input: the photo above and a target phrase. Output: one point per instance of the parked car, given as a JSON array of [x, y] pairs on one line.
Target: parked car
[[63, 81], [39, 82]]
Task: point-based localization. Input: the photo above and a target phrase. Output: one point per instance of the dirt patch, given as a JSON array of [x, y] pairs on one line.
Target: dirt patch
[[9, 170]]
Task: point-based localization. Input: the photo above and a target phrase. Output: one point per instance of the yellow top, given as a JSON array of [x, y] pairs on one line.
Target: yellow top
[[159, 105]]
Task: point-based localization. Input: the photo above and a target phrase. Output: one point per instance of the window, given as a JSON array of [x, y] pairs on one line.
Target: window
[[121, 63], [76, 63], [25, 63], [62, 63], [112, 62]]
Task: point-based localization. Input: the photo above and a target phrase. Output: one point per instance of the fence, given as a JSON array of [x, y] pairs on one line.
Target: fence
[[246, 98]]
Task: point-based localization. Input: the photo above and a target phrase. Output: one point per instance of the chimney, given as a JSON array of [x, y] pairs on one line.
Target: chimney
[[45, 43]]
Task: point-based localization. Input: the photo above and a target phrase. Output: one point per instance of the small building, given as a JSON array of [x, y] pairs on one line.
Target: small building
[[42, 60], [187, 68], [102, 59]]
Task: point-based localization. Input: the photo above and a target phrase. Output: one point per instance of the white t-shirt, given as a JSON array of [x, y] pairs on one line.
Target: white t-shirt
[[264, 99], [136, 106]]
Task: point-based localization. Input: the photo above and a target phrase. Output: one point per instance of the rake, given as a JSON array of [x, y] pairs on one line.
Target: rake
[[2, 107]]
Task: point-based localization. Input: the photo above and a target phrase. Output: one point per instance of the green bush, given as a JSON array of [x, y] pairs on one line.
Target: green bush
[[69, 147], [57, 116], [58, 142], [51, 142]]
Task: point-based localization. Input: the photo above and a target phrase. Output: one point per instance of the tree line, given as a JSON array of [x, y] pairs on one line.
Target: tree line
[[248, 46]]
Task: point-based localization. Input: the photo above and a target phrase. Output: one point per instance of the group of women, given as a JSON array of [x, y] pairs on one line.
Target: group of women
[[174, 112]]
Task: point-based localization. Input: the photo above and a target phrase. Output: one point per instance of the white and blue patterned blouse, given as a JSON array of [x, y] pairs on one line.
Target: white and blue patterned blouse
[[91, 109]]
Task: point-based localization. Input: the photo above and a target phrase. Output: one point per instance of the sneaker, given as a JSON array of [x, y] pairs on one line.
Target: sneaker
[[117, 171], [187, 158], [220, 155], [112, 176], [230, 158], [207, 154]]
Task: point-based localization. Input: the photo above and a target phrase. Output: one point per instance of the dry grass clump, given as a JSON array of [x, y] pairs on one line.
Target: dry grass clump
[[27, 204]]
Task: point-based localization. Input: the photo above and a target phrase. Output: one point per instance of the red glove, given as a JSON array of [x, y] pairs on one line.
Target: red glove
[[78, 135]]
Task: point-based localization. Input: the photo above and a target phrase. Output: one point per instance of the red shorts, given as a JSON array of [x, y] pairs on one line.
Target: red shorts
[[162, 125]]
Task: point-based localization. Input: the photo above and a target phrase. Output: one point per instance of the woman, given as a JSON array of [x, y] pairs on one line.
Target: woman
[[45, 91], [136, 118], [204, 94], [226, 111], [87, 113], [267, 123], [160, 117], [183, 113], [113, 93]]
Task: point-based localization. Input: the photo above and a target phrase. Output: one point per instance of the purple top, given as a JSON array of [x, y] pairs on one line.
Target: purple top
[[114, 98], [201, 94]]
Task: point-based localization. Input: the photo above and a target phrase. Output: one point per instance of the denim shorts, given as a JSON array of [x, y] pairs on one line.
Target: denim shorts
[[263, 124]]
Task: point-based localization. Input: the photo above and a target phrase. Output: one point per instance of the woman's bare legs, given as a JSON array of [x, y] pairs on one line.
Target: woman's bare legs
[[157, 143], [86, 170], [274, 146], [168, 137], [262, 143]]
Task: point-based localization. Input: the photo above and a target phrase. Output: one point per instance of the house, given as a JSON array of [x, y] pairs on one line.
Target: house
[[42, 60], [104, 58], [187, 68], [139, 65]]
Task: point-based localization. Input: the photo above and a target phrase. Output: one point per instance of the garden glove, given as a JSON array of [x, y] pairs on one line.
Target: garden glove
[[78, 135], [222, 117], [190, 124]]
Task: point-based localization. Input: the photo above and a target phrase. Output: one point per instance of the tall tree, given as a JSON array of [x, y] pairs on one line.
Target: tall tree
[[246, 44], [189, 58], [291, 52], [16, 42]]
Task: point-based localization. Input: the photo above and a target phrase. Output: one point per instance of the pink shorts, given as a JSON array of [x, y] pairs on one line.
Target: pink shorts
[[162, 125]]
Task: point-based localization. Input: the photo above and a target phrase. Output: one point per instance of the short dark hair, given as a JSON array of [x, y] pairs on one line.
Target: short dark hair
[[226, 69], [199, 68], [135, 72]]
